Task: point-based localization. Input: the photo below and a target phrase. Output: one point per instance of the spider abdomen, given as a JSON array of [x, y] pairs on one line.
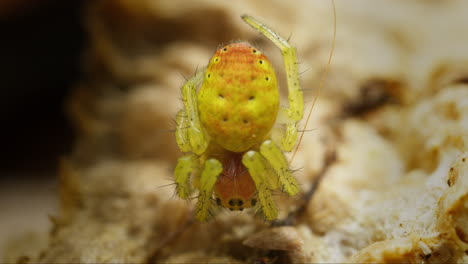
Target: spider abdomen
[[238, 100]]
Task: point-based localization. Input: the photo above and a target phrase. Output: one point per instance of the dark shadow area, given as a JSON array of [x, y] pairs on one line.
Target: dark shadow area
[[40, 48]]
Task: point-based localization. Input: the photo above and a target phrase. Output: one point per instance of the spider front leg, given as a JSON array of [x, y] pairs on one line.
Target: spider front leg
[[259, 171], [296, 101], [273, 154], [190, 137], [181, 133], [186, 165], [189, 133], [209, 176]]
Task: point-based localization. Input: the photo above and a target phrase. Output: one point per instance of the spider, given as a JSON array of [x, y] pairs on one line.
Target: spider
[[225, 130]]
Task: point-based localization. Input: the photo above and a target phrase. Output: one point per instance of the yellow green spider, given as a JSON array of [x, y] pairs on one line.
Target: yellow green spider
[[225, 130]]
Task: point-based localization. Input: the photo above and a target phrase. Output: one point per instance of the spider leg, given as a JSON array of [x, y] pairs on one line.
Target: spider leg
[[181, 133], [185, 166], [258, 169], [189, 118], [208, 178], [295, 110], [273, 154]]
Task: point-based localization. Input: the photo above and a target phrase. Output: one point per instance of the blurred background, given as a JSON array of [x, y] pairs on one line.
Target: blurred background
[[40, 47]]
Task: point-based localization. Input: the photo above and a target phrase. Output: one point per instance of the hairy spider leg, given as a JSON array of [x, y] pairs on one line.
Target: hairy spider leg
[[189, 118], [259, 171], [273, 154], [209, 176], [186, 165], [295, 111]]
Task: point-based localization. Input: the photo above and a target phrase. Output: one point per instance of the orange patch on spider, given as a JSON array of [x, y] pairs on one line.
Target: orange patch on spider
[[235, 188]]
